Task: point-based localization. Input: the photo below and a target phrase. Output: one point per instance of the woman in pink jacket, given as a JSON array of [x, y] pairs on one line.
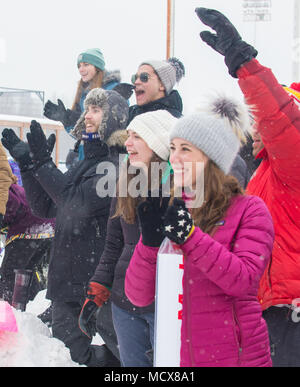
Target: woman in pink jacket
[[226, 241]]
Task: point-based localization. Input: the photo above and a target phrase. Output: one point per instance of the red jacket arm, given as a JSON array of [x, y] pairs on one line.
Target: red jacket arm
[[277, 118]]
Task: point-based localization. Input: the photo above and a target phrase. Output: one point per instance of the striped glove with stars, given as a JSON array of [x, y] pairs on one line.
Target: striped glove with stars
[[178, 223]]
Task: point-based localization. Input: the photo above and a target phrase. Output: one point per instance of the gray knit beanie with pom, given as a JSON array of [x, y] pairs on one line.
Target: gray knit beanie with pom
[[218, 129], [169, 71]]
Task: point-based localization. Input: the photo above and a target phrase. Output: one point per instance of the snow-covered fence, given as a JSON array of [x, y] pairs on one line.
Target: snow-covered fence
[[21, 125]]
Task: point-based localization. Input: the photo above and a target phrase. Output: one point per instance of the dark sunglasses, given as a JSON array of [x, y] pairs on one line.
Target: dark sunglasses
[[144, 77]]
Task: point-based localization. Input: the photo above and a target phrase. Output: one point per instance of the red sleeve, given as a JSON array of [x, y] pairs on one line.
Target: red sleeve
[[277, 118]]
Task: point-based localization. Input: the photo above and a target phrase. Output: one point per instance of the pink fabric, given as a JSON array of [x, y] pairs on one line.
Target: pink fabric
[[222, 322], [7, 318]]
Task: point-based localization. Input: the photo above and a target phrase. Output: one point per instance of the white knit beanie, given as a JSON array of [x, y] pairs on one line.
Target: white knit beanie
[[217, 130], [154, 128], [169, 71]]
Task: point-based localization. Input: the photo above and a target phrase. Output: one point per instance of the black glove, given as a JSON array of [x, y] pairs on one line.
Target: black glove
[[40, 147], [151, 215], [178, 223], [59, 113], [97, 294], [1, 220], [55, 112], [124, 89], [71, 118], [87, 318], [227, 41], [18, 149]]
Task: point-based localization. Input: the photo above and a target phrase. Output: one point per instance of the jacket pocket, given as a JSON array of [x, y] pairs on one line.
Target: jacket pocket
[[237, 332]]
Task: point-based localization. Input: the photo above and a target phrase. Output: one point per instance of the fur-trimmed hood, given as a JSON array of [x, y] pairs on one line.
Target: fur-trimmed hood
[[111, 76], [115, 115]]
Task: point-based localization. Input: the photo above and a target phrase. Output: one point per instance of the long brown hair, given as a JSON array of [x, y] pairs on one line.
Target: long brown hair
[[93, 84], [219, 189], [126, 206]]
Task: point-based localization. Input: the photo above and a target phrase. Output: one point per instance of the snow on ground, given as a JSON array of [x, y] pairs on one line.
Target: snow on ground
[[33, 345]]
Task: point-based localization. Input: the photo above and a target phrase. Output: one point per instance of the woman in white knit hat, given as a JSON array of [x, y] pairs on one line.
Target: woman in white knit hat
[[226, 242], [147, 143]]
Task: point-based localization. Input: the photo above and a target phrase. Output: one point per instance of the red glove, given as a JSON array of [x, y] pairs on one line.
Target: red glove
[[97, 294]]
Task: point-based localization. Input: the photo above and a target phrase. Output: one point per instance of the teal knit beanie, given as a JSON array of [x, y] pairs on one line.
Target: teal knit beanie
[[92, 56]]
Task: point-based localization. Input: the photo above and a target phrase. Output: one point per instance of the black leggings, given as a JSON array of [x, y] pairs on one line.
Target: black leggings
[[65, 328]]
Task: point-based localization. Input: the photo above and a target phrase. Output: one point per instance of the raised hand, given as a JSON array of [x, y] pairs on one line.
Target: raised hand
[[227, 41], [40, 147], [18, 149]]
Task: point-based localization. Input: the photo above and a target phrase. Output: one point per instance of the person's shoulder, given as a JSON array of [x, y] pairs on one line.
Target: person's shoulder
[[247, 201], [254, 206]]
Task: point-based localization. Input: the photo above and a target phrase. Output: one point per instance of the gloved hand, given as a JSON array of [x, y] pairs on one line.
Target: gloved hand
[[71, 118], [17, 148], [227, 41], [97, 294], [55, 112], [59, 113], [151, 215], [124, 89], [40, 147], [178, 223]]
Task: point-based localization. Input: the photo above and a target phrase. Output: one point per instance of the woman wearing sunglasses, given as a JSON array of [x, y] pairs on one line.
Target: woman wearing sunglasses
[[154, 83]]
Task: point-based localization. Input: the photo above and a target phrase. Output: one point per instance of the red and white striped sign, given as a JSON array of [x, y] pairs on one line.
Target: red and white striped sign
[[168, 305]]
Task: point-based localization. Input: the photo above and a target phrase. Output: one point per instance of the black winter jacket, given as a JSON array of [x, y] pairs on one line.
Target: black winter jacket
[[81, 219], [120, 243], [240, 171], [172, 103]]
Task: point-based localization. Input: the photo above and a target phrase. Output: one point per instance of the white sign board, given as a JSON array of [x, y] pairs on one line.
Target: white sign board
[[168, 309]]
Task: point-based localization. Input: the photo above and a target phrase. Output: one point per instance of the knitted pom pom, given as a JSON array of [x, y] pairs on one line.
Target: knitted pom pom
[[179, 67], [235, 113]]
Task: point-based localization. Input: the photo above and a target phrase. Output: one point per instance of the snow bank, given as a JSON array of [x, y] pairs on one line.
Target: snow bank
[[33, 345]]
